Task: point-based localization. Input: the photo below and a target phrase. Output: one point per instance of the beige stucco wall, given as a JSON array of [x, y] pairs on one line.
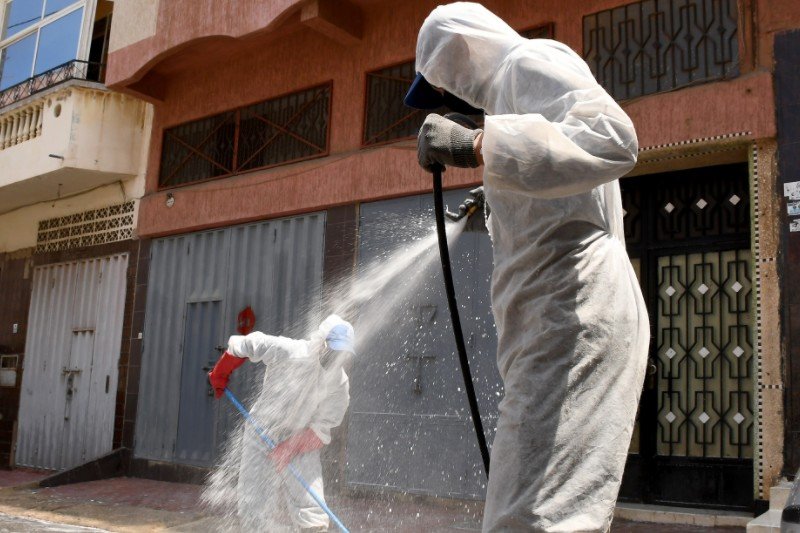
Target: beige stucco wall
[[767, 220], [98, 133], [133, 21], [18, 228]]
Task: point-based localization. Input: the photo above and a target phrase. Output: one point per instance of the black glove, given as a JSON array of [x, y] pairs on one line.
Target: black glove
[[441, 141]]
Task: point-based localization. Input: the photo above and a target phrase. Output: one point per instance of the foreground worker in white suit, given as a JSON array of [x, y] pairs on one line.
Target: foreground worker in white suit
[[572, 325], [305, 394]]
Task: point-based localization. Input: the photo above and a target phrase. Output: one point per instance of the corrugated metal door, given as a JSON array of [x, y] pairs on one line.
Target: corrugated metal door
[[69, 382], [410, 427], [275, 267]]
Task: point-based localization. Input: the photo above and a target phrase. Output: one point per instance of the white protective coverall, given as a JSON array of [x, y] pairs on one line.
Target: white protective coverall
[[298, 393], [572, 325]]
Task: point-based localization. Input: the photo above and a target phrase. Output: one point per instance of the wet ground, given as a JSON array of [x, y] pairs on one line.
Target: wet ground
[[16, 524], [21, 476], [133, 505]]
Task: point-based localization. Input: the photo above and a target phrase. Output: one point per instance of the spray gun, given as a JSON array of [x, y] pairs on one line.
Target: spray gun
[[474, 202]]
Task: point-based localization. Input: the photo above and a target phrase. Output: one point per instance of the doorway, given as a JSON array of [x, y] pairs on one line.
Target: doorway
[[70, 369], [688, 236]]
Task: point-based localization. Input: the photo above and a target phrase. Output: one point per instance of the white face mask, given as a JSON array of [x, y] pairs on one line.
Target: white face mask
[[330, 359]]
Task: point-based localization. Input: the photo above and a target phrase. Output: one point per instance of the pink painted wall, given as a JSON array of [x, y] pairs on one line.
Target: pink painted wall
[[194, 77]]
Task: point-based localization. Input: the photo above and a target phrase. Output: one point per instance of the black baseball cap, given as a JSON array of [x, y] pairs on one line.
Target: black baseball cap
[[422, 95]]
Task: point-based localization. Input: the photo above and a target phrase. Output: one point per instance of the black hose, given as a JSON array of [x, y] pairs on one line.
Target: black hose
[[444, 253]]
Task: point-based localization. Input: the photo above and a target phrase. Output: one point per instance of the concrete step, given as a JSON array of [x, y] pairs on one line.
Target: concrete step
[[679, 515], [768, 522], [779, 494]]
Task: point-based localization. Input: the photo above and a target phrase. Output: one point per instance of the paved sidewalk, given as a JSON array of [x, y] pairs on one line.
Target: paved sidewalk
[[21, 476], [15, 524], [139, 505]]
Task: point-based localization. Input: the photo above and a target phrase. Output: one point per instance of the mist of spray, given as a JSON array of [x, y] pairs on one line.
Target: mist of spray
[[244, 491]]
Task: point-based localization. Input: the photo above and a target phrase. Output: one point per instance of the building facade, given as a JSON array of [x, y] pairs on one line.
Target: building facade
[[279, 148], [71, 175]]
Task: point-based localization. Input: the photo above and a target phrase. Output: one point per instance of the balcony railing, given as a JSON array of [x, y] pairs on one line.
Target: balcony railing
[[21, 125], [71, 70]]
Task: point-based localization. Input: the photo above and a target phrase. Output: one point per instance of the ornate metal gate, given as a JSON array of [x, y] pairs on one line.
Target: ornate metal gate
[[688, 234]]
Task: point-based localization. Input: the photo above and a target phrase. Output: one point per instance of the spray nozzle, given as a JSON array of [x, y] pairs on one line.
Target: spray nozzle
[[474, 202]]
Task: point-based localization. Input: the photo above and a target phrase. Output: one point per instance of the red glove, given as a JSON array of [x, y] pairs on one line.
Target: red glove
[[218, 377], [303, 442]]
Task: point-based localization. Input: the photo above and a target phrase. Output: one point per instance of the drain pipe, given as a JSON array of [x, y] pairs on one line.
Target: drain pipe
[[444, 254]]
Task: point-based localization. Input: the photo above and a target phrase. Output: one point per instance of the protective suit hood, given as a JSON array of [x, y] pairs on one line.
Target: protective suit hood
[[460, 48]]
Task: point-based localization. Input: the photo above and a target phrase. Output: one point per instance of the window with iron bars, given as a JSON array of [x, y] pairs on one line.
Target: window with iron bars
[[282, 130], [386, 117], [659, 45]]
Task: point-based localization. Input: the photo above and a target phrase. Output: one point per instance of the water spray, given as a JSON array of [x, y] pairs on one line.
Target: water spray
[[262, 434], [447, 273]]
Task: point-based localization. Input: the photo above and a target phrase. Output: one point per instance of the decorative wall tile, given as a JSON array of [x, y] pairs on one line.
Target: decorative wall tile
[[90, 228]]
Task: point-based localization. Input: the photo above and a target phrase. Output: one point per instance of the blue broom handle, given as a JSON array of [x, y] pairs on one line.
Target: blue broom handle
[[269, 442]]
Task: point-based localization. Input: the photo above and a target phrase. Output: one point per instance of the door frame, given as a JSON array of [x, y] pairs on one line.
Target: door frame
[[647, 473]]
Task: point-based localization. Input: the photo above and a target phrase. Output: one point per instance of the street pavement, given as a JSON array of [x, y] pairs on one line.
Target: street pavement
[[16, 524], [138, 505]]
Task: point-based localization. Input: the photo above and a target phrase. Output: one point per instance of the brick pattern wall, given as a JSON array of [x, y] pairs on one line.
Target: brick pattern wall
[[16, 274], [15, 286], [132, 343]]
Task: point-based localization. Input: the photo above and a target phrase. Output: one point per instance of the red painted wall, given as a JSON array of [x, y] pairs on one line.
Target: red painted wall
[[195, 75]]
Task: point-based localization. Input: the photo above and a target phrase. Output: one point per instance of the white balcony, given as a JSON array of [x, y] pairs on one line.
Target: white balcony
[[66, 140]]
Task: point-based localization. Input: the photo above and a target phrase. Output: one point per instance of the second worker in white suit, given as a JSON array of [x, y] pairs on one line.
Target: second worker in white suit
[[305, 394]]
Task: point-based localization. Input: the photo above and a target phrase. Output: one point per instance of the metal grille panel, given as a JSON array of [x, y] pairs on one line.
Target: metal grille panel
[[659, 45], [285, 129], [277, 131], [386, 117], [705, 353], [198, 150]]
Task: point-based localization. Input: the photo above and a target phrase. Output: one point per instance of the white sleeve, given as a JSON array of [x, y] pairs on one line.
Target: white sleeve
[[260, 347], [567, 135], [333, 405]]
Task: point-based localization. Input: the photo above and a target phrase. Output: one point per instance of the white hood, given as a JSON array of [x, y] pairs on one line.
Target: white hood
[[460, 47]]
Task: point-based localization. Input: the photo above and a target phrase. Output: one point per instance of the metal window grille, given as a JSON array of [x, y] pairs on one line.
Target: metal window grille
[[198, 150], [660, 45], [274, 132], [285, 129], [387, 118]]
